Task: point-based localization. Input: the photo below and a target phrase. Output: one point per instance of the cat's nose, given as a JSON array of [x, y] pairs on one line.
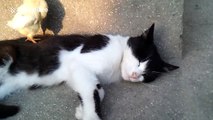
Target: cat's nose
[[134, 75]]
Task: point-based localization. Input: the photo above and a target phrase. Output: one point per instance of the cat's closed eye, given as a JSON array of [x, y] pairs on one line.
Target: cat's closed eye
[[139, 63]]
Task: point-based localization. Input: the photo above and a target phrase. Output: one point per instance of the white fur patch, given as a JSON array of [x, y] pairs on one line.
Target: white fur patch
[[79, 112]]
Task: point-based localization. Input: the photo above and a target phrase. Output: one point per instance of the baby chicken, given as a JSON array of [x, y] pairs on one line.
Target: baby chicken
[[28, 18]]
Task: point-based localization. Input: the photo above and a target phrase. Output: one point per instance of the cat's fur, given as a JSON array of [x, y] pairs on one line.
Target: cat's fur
[[8, 110], [84, 62]]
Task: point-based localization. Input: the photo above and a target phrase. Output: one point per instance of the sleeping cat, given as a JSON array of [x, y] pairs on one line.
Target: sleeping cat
[[84, 62]]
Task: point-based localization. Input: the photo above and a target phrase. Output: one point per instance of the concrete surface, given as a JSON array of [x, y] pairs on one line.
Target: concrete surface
[[179, 95], [197, 65]]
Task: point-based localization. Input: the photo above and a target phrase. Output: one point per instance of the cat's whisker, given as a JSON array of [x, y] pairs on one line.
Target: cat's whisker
[[156, 72]]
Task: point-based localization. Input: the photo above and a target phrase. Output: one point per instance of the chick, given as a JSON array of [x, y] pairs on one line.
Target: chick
[[28, 18]]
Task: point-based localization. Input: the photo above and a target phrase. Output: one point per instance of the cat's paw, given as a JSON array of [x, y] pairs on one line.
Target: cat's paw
[[80, 116], [79, 112], [91, 117]]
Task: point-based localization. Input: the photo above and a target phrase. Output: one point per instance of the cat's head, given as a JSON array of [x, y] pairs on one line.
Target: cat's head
[[141, 60]]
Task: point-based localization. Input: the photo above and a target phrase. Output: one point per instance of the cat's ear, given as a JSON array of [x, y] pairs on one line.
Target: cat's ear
[[168, 67], [149, 33]]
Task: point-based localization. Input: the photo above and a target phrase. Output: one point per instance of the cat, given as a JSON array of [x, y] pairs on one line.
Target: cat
[[83, 62], [8, 110]]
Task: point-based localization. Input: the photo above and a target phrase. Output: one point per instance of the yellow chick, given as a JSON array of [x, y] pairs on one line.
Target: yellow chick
[[28, 18]]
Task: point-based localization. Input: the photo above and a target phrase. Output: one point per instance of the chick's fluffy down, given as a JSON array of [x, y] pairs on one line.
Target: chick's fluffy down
[[29, 15]]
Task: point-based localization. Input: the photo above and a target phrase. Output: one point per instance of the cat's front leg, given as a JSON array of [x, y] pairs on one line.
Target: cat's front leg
[[90, 107], [90, 93], [98, 96]]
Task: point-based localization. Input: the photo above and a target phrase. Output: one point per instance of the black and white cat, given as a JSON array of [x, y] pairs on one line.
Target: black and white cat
[[84, 62]]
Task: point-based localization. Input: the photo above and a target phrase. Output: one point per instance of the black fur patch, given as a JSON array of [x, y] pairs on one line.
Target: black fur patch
[[37, 86], [5, 53], [79, 97], [7, 111], [43, 56], [98, 86], [97, 103], [94, 43], [34, 87], [70, 42]]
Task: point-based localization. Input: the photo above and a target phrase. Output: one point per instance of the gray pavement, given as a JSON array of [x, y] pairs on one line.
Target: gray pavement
[[184, 94], [197, 77]]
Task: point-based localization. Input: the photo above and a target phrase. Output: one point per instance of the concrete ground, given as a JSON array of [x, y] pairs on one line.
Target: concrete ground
[[197, 60], [185, 94]]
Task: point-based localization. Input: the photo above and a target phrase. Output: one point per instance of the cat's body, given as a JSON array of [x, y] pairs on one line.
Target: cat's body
[[83, 62]]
